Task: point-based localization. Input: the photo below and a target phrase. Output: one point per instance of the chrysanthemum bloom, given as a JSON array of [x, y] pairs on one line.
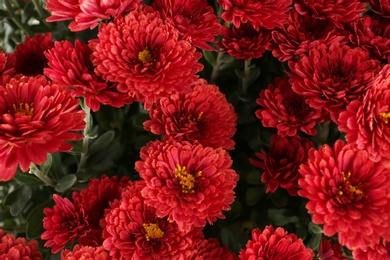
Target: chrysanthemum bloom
[[259, 13], [194, 20], [330, 251], [366, 122], [7, 64], [275, 244], [348, 193], [29, 55], [63, 223], [335, 12], [36, 118], [379, 251], [87, 13], [209, 249], [85, 253], [95, 199], [381, 7], [133, 231], [287, 111], [281, 165], [204, 115], [70, 65], [244, 42], [372, 35], [188, 183], [18, 248], [330, 77], [144, 56], [301, 33]]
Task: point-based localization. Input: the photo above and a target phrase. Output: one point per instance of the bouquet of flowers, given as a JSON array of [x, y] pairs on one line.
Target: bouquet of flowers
[[173, 129]]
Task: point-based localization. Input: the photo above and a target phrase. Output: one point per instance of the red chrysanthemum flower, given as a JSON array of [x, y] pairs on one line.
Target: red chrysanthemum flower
[[209, 249], [63, 223], [30, 59], [330, 251], [259, 13], [85, 253], [281, 165], [199, 179], [70, 65], [7, 64], [367, 122], [134, 231], [87, 13], [275, 244], [204, 115], [330, 77], [18, 248], [194, 20], [36, 118], [348, 193], [95, 199], [381, 7], [372, 35], [244, 42], [379, 251], [287, 111], [335, 12], [144, 56], [300, 34]]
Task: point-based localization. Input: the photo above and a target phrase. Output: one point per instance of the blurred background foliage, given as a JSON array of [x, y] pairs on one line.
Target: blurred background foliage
[[118, 134]]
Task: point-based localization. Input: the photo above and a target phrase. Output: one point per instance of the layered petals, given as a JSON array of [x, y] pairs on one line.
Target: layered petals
[[194, 20], [331, 77], [275, 244], [203, 116], [144, 56], [282, 162], [263, 13], [36, 118], [347, 193], [187, 183]]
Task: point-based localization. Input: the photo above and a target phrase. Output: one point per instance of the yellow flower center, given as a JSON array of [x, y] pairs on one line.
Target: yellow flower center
[[353, 189], [194, 119], [187, 180], [153, 231], [145, 56], [385, 117], [23, 109]]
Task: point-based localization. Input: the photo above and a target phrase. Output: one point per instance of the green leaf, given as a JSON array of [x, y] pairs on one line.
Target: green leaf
[[35, 220], [101, 142], [66, 183], [315, 229], [253, 177], [314, 242], [18, 199], [77, 147], [253, 195], [209, 57], [253, 75], [45, 168], [27, 179], [282, 217]]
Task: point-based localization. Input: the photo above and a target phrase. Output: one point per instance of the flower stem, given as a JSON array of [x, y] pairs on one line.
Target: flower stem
[[16, 19], [40, 12], [87, 129], [245, 80], [47, 180], [215, 72]]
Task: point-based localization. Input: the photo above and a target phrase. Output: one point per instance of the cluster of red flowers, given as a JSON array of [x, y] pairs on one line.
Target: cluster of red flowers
[[335, 53]]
